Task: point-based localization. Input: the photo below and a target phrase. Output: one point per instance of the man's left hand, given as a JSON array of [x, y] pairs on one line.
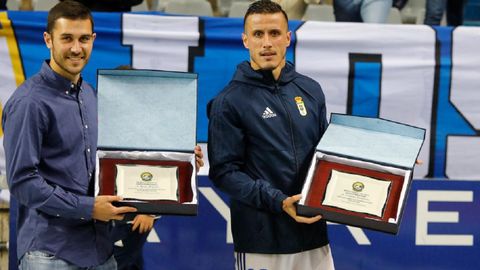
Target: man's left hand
[[198, 157], [144, 223], [289, 207]]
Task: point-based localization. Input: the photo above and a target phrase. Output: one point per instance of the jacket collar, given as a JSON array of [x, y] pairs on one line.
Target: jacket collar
[[263, 78]]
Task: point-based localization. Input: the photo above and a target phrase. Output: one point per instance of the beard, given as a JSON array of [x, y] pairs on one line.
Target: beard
[[63, 62]]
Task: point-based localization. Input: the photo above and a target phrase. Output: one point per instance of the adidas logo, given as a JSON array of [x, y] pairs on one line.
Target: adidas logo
[[268, 113]]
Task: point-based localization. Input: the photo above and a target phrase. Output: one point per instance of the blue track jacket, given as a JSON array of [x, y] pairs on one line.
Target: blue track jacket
[[261, 138]]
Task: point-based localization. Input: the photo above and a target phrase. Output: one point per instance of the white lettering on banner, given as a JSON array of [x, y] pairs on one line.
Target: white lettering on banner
[[357, 233], [407, 74], [153, 237], [424, 217], [220, 206], [462, 157], [217, 202], [359, 236], [6, 88], [160, 42], [463, 151]]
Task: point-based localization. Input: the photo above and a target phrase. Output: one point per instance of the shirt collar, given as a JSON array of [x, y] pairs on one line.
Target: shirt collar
[[57, 81]]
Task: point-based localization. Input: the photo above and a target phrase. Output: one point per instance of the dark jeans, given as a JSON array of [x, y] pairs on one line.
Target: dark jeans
[[130, 256], [436, 8], [369, 11]]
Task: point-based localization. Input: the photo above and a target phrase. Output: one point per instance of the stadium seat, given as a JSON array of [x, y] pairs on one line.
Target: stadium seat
[[15, 4], [12, 5], [189, 7], [315, 12], [238, 9], [45, 5], [142, 7]]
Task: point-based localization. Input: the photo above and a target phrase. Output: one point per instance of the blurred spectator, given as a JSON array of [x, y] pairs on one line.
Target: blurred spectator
[[368, 11], [295, 8], [399, 3], [3, 4], [152, 4], [25, 5], [436, 8], [110, 5], [94, 5]]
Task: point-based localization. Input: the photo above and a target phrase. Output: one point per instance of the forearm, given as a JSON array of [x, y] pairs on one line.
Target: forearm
[[35, 193], [257, 193]]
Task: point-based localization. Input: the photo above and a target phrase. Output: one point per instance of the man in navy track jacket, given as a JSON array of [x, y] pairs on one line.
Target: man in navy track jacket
[[263, 130]]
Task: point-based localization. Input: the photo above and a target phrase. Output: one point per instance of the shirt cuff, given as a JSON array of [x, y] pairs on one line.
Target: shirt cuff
[[85, 206]]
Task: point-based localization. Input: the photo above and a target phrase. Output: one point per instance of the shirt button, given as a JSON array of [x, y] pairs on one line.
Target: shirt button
[[86, 126], [66, 92], [90, 175], [58, 215], [81, 101], [88, 150]]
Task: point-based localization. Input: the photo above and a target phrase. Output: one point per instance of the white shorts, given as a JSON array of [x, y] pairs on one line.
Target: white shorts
[[315, 259]]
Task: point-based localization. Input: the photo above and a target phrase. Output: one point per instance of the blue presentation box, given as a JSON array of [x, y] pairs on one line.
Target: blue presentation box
[[147, 120], [361, 172]]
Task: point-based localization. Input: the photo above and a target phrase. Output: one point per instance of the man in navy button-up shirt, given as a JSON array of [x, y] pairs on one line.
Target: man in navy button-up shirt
[[50, 126]]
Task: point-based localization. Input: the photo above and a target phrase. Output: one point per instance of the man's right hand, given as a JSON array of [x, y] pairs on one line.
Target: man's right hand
[[103, 209]]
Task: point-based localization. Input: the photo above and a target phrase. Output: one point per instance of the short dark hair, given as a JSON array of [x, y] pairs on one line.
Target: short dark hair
[[68, 9], [264, 7]]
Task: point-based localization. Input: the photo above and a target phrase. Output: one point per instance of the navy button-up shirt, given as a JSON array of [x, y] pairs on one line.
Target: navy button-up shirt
[[50, 129]]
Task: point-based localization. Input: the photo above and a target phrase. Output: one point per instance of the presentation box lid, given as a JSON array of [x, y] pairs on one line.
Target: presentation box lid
[[147, 110], [372, 139]]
